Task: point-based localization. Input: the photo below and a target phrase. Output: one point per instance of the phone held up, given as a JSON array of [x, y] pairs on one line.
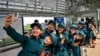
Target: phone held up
[[14, 16]]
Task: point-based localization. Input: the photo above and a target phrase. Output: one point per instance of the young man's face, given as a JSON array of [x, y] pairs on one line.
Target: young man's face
[[50, 26], [48, 40], [80, 25], [61, 29], [72, 30], [36, 31]]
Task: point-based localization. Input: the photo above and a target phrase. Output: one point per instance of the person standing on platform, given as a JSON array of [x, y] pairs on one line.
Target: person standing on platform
[[62, 35], [71, 34], [48, 43], [90, 34], [83, 30], [30, 46], [50, 28]]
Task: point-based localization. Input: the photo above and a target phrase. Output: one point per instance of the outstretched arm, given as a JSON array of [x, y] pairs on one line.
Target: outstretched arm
[[10, 31]]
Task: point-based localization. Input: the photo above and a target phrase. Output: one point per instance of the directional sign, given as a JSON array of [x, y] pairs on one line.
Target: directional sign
[[59, 19]]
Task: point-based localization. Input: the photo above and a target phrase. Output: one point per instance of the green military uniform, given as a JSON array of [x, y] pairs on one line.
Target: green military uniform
[[71, 42], [61, 49], [30, 46]]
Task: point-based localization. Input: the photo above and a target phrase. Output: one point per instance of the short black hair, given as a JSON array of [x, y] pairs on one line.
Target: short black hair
[[92, 17], [82, 19], [87, 18], [36, 21]]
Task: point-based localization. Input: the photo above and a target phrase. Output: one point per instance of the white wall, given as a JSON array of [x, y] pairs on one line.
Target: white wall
[[17, 25]]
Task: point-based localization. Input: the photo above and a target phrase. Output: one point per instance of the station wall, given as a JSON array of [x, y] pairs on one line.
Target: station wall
[[16, 25]]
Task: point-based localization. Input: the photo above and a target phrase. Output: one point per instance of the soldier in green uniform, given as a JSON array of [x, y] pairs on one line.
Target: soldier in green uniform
[[62, 35], [90, 34], [30, 46], [50, 29], [75, 39], [71, 34], [82, 30], [49, 42]]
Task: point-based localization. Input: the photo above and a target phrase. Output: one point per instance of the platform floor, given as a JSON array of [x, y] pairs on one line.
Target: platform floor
[[90, 51]]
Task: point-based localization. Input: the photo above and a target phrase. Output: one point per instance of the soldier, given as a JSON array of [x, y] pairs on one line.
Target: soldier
[[48, 43], [71, 34], [82, 30], [90, 34], [94, 28], [30, 46], [62, 35], [50, 28], [75, 40]]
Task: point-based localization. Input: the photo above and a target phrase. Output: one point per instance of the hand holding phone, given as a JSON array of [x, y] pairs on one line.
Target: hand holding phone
[[15, 17], [8, 20], [11, 17]]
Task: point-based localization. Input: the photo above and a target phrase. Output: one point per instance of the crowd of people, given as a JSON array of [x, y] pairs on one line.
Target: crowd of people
[[53, 41]]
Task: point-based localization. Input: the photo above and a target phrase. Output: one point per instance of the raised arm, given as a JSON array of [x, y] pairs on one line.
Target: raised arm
[[11, 31]]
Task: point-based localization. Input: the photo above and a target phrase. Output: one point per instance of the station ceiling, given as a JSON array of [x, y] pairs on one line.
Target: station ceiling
[[71, 5], [87, 3]]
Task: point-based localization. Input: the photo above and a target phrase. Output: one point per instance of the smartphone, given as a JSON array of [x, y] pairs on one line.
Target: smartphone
[[15, 17]]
